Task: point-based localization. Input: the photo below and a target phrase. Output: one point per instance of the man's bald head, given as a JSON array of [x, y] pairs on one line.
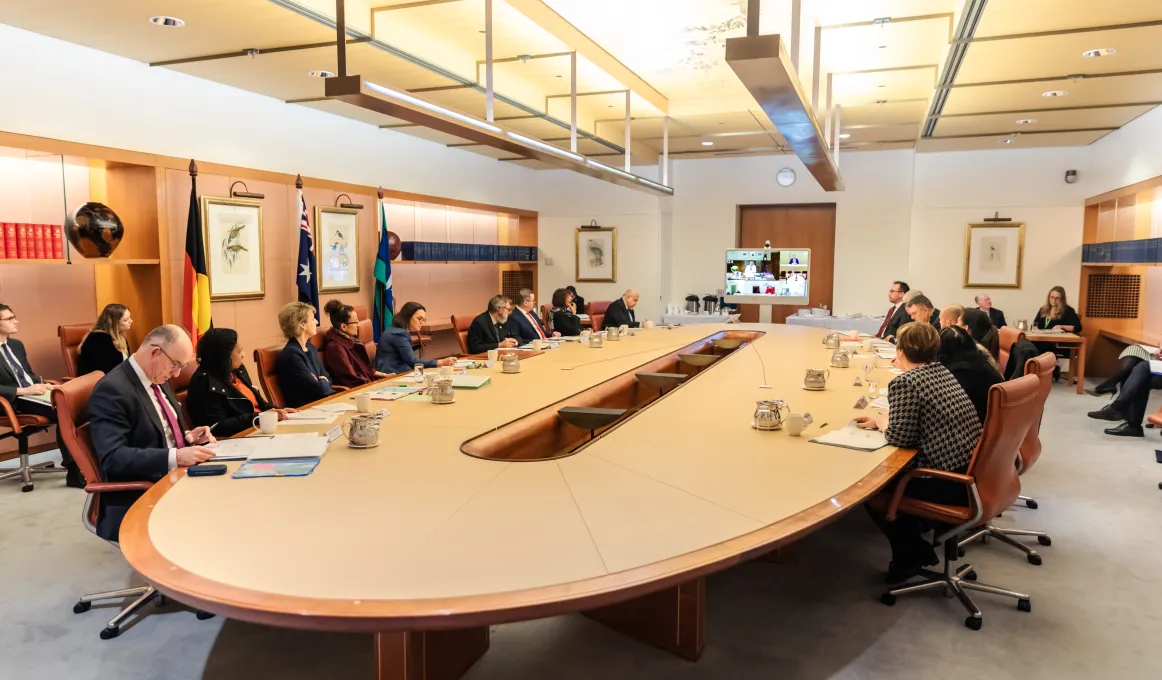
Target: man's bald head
[[630, 297], [164, 352]]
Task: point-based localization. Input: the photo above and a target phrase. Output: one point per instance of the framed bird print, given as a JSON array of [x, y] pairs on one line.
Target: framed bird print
[[993, 254], [596, 254], [232, 229], [337, 249]]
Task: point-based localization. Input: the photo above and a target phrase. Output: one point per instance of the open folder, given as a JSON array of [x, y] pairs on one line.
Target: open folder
[[852, 437], [265, 447]]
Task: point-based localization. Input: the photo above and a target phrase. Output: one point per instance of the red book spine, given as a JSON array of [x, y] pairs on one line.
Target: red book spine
[[38, 241], [3, 238], [10, 241], [58, 248], [22, 241]]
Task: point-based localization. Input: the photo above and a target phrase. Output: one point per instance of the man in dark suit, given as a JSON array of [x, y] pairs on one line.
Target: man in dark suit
[[897, 316], [491, 329], [133, 416], [620, 311], [985, 304], [17, 379], [920, 308], [524, 323]]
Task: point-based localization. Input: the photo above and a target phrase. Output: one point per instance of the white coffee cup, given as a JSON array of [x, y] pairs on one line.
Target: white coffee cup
[[493, 355], [623, 328], [363, 402], [647, 324], [585, 334], [445, 371], [266, 422], [868, 344], [795, 424], [537, 344]]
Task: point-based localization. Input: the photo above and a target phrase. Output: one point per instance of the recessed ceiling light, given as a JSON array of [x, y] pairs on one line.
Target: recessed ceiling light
[[168, 22], [1005, 141], [1054, 93], [321, 74], [845, 135], [1026, 121], [707, 143], [1100, 52]]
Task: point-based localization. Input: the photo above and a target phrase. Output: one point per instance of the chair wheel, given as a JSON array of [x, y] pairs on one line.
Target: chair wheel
[[110, 633], [82, 607], [888, 599], [1031, 504], [1025, 605], [1035, 560], [960, 552], [26, 488], [969, 575], [1044, 540], [160, 600], [202, 616], [973, 622]]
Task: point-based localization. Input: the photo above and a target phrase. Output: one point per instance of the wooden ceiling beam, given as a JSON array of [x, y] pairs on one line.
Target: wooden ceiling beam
[[1062, 31], [257, 52], [1050, 79], [1047, 109]]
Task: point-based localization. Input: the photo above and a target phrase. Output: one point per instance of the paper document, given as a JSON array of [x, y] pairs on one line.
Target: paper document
[[45, 398], [334, 407], [311, 416], [852, 437], [1156, 367], [470, 382], [880, 403], [262, 447], [393, 392]]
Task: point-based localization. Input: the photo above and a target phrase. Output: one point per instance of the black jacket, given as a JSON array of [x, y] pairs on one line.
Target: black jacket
[[522, 329], [898, 319], [209, 401], [996, 316], [129, 440], [1068, 318], [98, 353], [1021, 351], [566, 322], [8, 381], [618, 315], [299, 374], [975, 376], [483, 335]]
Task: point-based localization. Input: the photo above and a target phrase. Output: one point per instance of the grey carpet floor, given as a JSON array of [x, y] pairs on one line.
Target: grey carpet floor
[[1097, 604]]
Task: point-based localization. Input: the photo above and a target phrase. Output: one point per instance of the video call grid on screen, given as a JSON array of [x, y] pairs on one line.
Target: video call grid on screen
[[768, 275]]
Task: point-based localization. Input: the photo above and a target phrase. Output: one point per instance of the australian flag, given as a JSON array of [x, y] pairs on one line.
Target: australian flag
[[306, 276]]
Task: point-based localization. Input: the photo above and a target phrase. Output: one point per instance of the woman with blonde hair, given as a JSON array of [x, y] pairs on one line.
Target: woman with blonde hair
[[1056, 313], [105, 346], [301, 375]]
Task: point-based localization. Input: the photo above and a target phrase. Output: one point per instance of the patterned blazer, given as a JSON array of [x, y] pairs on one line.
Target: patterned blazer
[[930, 412]]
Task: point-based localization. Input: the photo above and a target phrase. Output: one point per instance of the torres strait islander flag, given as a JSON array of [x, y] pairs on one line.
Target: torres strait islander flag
[[195, 283]]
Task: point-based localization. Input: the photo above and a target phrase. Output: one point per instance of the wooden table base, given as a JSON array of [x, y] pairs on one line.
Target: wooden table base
[[428, 655], [671, 619]]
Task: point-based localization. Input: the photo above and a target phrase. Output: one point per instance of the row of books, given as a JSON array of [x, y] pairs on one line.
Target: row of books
[[1139, 251], [423, 251], [31, 241]]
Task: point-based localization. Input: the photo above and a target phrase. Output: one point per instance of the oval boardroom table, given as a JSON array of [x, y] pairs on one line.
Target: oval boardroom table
[[426, 546]]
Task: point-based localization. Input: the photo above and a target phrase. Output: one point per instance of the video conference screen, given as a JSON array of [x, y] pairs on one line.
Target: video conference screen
[[767, 272]]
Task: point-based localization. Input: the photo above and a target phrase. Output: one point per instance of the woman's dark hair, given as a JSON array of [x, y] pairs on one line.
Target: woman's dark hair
[[214, 351], [982, 330], [403, 318], [559, 297], [337, 312], [571, 289], [955, 343]]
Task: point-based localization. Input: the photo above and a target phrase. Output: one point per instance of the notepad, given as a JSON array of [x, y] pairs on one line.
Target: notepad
[[393, 392], [276, 468], [45, 399], [1156, 367], [852, 437], [470, 382], [270, 447]]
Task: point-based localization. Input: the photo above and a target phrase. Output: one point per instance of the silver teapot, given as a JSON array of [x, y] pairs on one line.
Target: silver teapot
[[816, 378], [442, 392], [595, 340], [613, 334], [510, 363], [769, 414], [362, 431], [840, 359], [1023, 325], [831, 341]]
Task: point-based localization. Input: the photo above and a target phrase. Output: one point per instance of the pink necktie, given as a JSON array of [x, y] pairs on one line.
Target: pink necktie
[[170, 419]]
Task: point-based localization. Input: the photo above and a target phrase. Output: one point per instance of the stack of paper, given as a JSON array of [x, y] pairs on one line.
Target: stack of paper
[[262, 447], [324, 414], [393, 392], [852, 437], [45, 398]]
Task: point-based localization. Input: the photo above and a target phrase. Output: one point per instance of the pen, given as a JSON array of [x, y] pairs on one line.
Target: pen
[[822, 425]]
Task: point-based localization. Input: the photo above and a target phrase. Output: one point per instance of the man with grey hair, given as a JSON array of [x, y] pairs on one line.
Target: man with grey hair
[[135, 422], [524, 323], [620, 311], [985, 304], [490, 330]]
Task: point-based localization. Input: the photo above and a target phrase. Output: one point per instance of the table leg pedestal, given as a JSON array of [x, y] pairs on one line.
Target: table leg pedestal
[[428, 655], [671, 619]]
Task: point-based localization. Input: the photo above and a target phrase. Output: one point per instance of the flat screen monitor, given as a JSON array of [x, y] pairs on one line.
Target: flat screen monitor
[[768, 276]]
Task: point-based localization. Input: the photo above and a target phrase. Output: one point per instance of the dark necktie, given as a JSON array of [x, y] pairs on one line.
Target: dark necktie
[[884, 325], [17, 369], [171, 420]]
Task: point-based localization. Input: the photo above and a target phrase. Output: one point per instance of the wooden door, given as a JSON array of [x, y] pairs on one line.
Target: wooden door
[[810, 225]]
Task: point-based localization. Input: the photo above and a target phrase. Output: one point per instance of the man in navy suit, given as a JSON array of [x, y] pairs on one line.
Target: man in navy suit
[[525, 324]]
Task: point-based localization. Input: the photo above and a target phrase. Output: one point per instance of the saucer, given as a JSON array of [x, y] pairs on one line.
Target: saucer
[[361, 446], [509, 372], [765, 429], [441, 403], [814, 389]]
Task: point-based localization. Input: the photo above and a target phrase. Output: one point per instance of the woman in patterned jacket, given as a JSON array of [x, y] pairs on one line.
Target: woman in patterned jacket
[[929, 412]]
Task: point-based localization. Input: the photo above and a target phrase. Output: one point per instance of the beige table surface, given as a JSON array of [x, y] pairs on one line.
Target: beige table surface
[[416, 519]]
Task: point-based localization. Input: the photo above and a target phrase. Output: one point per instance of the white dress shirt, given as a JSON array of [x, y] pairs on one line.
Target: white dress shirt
[[534, 322], [17, 369], [169, 436]]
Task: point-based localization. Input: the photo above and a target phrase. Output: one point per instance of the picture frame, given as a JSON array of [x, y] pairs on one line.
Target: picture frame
[[595, 249], [337, 249], [994, 254], [232, 229]]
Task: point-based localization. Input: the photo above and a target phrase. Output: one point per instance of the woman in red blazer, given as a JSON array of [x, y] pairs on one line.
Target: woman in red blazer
[[344, 357]]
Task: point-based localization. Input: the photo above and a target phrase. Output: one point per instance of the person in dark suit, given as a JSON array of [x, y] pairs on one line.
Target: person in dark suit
[[920, 308], [1130, 404], [578, 301], [898, 315], [393, 353], [563, 317], [105, 345], [135, 422], [620, 311], [344, 357], [17, 379], [985, 304], [524, 322], [491, 330], [301, 375], [221, 393], [971, 368]]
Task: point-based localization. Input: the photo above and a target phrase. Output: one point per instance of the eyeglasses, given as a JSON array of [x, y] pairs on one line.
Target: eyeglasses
[[9, 318], [177, 365]]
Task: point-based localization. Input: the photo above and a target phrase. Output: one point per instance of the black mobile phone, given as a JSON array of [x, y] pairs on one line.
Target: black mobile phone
[[204, 470], [1158, 455]]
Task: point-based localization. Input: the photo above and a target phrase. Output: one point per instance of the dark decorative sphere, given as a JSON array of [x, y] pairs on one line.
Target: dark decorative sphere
[[394, 245], [94, 230]]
